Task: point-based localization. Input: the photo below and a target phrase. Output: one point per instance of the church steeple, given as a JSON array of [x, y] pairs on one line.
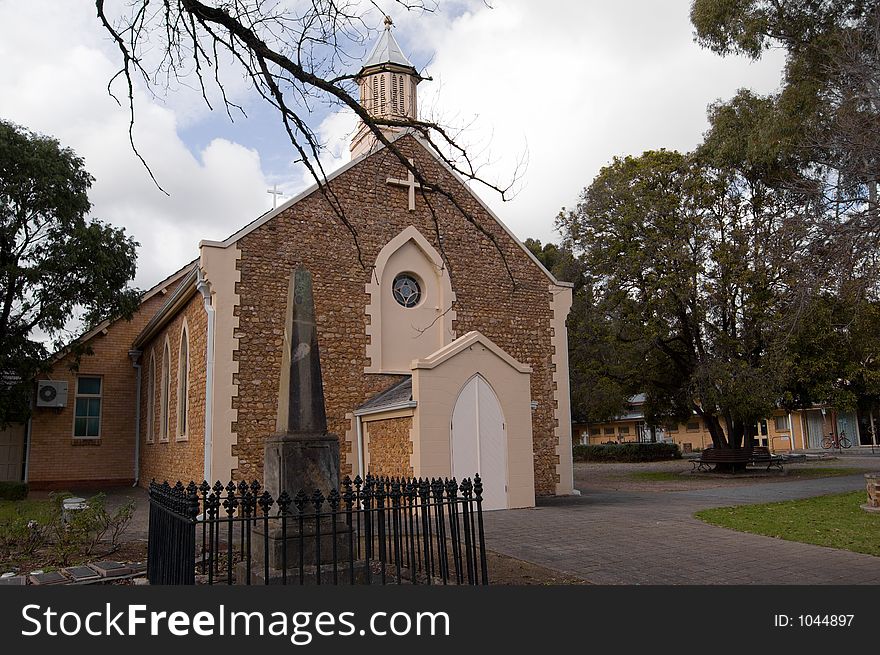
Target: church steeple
[[387, 82]]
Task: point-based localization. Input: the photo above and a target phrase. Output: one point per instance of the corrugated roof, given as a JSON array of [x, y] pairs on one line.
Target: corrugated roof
[[397, 394], [387, 50]]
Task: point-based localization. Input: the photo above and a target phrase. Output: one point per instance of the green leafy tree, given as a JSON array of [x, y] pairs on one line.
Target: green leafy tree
[[684, 264], [835, 356], [828, 109], [58, 268]]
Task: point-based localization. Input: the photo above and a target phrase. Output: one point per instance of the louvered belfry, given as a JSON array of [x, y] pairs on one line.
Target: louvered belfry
[[387, 82]]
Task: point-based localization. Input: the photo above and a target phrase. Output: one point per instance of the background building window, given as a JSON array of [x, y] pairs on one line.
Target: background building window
[[781, 424], [623, 430], [87, 413], [609, 431], [693, 426]]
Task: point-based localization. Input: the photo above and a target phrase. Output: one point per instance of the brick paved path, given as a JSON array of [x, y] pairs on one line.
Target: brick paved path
[[640, 538]]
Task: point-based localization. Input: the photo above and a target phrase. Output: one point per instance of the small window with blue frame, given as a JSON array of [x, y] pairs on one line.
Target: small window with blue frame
[[87, 408]]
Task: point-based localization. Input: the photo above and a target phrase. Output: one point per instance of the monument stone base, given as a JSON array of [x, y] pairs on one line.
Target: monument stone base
[[294, 461]]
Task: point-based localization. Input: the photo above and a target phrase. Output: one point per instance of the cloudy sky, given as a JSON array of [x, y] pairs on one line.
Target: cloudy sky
[[567, 85]]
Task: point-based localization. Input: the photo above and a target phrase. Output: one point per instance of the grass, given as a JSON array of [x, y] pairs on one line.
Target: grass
[[835, 521], [38, 510], [791, 473]]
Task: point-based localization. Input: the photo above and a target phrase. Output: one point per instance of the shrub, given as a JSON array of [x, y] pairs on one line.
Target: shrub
[[13, 490], [627, 452], [21, 536], [77, 534]]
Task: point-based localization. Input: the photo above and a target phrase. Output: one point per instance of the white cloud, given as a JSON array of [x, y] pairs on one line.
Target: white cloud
[[574, 84], [565, 86], [53, 80], [570, 84]]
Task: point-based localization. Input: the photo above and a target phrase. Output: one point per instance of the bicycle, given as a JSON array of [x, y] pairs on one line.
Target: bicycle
[[840, 442]]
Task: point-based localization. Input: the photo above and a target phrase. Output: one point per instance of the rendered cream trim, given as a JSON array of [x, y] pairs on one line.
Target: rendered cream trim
[[560, 304], [381, 362], [466, 341], [437, 383], [218, 266]]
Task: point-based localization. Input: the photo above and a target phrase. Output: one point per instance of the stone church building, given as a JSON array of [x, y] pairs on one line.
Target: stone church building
[[432, 365]]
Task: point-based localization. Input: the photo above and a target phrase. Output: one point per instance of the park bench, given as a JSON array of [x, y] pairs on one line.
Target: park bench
[[761, 455], [712, 456], [756, 455]]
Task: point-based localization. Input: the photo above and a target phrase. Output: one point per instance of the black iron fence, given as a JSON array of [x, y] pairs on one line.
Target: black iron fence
[[376, 531]]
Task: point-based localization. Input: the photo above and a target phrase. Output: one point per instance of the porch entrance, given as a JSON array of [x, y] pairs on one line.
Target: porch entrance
[[479, 441]]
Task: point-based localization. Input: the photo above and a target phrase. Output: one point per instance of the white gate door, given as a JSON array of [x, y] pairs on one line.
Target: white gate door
[[479, 442]]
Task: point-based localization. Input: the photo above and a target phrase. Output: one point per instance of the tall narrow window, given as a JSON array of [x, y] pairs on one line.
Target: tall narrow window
[[87, 411], [151, 398], [183, 384], [165, 392]]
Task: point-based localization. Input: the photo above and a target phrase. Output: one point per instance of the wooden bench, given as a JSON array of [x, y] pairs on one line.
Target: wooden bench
[[761, 455], [757, 455], [712, 456]]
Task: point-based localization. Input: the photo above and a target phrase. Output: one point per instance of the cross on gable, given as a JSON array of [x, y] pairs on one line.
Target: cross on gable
[[275, 193], [411, 184]]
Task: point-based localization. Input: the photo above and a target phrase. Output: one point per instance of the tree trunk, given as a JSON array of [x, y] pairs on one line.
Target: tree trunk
[[715, 430]]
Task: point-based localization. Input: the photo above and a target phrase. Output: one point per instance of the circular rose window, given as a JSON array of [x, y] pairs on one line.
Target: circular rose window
[[406, 290]]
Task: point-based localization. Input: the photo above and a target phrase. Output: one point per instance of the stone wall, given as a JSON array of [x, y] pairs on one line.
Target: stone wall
[[179, 457], [514, 312], [389, 447]]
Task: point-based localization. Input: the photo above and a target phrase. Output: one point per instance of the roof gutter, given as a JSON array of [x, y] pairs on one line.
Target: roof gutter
[[409, 404], [184, 291]]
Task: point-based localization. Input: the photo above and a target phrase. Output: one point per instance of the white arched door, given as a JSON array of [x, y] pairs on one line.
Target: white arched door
[[479, 442]]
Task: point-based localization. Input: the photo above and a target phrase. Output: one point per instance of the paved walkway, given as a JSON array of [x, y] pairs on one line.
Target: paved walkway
[[624, 537]]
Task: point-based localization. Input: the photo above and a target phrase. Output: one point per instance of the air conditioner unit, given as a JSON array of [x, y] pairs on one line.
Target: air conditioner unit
[[51, 393]]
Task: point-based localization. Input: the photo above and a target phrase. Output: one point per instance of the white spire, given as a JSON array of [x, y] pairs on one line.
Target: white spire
[[387, 50], [387, 83]]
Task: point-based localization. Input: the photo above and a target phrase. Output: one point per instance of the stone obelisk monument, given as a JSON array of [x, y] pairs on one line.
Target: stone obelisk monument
[[300, 455]]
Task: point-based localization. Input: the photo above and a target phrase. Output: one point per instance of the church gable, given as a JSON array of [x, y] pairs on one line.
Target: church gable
[[350, 275]]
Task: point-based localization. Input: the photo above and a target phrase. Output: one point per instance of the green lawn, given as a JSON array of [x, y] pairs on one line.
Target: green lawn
[[793, 473], [835, 521], [30, 509]]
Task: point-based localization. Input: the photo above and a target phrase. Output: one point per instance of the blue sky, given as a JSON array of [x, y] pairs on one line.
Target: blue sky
[[564, 86]]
